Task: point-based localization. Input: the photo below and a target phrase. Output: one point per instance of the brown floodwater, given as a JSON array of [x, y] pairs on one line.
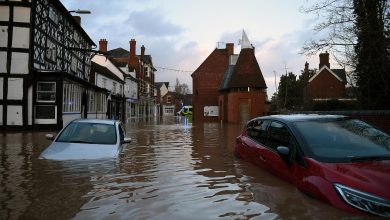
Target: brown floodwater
[[172, 170]]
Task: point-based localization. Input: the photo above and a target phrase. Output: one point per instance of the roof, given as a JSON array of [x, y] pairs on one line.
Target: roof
[[118, 53], [106, 62], [104, 70], [216, 63], [227, 77], [246, 72], [337, 73], [160, 84], [301, 117]]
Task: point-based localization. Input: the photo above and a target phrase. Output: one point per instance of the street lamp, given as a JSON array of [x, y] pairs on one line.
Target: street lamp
[[79, 11]]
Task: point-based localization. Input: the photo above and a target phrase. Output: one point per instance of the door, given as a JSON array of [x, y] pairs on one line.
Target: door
[[278, 135], [244, 110]]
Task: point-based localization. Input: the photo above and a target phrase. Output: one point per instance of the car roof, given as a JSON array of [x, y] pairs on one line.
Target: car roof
[[95, 121], [300, 117]]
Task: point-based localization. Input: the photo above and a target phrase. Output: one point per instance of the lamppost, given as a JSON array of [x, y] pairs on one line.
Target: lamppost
[[79, 11]]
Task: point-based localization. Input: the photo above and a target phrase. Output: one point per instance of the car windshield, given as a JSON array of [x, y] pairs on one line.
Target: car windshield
[[90, 133], [344, 140]]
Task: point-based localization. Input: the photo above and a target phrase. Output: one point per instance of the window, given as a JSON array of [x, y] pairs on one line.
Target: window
[[278, 135], [53, 15], [72, 97], [46, 91], [169, 99], [51, 51], [113, 87], [257, 131], [168, 110], [120, 89], [91, 104], [104, 83]]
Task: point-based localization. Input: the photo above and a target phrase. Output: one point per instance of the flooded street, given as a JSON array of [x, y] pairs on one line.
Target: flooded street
[[171, 170]]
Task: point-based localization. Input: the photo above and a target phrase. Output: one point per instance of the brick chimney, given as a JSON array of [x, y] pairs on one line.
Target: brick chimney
[[230, 48], [133, 60], [142, 51], [324, 60], [103, 45]]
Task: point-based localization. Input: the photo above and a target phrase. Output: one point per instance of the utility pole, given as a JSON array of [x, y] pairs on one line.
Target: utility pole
[[285, 97]]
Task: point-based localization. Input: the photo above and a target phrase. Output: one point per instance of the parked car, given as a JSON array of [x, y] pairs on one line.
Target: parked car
[[87, 139], [337, 159]]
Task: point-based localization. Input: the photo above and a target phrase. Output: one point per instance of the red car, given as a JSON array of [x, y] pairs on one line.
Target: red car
[[337, 159]]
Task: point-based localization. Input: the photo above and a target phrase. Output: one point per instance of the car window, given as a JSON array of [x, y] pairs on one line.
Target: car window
[[343, 140], [258, 131], [278, 135], [91, 133]]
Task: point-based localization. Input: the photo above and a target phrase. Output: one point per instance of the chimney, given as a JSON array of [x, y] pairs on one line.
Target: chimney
[[133, 61], [324, 60], [142, 51], [230, 48], [103, 45], [77, 19], [306, 71]]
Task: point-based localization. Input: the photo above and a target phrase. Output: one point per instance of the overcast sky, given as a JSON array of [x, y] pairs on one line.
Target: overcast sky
[[180, 34]]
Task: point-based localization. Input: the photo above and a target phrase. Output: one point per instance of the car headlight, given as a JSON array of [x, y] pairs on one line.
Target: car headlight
[[364, 201]]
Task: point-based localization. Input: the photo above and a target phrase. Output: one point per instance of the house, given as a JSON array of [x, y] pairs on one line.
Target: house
[[172, 102], [327, 83], [162, 90], [106, 75], [243, 89], [130, 87], [44, 65], [142, 69], [229, 87]]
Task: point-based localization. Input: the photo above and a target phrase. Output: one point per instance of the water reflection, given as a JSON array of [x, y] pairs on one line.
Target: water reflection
[[173, 169]]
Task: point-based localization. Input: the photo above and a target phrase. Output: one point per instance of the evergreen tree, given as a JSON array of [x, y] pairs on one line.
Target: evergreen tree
[[372, 54]]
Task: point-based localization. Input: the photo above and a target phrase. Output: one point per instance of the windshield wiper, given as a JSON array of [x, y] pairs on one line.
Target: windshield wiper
[[82, 142], [368, 158]]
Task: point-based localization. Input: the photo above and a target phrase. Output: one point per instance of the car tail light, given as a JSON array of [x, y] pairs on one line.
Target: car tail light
[[364, 201]]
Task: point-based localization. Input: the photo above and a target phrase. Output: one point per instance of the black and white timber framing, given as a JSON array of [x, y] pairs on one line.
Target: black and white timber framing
[[44, 67]]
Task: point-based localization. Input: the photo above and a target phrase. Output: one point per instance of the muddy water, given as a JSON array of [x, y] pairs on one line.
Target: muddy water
[[171, 170]]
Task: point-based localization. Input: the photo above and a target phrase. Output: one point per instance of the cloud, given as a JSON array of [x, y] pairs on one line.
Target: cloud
[[152, 23]]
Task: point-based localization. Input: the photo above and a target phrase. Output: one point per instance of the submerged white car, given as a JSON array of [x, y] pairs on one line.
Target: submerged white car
[[87, 139]]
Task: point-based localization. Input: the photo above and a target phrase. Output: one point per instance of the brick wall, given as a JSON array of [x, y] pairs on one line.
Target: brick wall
[[326, 85]]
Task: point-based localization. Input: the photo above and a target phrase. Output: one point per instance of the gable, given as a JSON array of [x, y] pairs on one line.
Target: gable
[[323, 70]]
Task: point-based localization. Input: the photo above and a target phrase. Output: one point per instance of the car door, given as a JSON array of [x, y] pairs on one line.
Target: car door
[[278, 134]]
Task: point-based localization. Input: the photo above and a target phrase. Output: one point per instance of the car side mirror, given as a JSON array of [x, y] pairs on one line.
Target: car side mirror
[[49, 137], [126, 140], [284, 153]]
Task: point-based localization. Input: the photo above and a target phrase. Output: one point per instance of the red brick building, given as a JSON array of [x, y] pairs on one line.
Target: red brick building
[[229, 87], [326, 83]]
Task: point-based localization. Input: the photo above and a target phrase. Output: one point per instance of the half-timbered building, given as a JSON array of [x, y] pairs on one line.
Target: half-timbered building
[[44, 65]]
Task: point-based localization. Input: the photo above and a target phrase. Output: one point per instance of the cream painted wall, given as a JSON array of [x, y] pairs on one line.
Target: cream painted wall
[[14, 115], [15, 89], [22, 14], [4, 13], [19, 63], [3, 36], [21, 37]]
